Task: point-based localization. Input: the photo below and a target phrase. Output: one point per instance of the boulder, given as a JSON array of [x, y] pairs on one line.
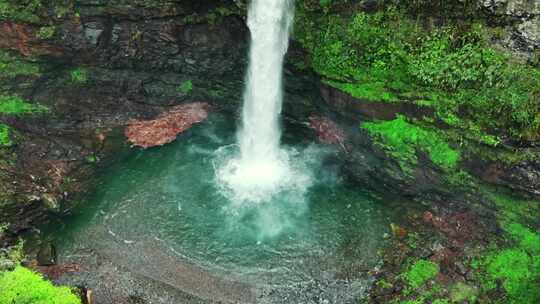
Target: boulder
[[165, 128]]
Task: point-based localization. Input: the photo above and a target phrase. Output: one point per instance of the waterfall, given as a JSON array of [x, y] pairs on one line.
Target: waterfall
[[262, 167], [269, 22]]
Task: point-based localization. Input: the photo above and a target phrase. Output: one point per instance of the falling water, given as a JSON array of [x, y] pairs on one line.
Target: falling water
[[262, 167], [269, 22]]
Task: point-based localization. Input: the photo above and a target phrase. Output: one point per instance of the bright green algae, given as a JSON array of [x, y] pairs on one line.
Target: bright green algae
[[401, 139], [420, 272]]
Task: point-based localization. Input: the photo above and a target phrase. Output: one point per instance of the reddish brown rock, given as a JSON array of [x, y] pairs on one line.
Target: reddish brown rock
[[165, 128], [458, 227], [327, 130], [54, 272]]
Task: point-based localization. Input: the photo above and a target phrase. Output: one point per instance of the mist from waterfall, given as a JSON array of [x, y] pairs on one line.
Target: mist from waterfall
[[261, 168]]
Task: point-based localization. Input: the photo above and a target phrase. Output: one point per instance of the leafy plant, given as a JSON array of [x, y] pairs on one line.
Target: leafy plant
[[5, 140], [185, 87], [23, 10], [79, 75], [445, 62], [46, 32], [24, 286]]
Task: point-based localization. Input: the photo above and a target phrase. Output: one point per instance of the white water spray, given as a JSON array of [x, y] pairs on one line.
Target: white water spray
[[262, 168]]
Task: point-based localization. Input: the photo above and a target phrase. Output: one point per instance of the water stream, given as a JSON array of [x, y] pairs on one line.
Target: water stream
[[262, 169]]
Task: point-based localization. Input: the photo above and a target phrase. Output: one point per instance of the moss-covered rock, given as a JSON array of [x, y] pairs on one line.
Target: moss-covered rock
[[24, 286]]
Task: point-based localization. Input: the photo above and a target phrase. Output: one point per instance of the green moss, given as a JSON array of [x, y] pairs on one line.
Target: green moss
[[91, 159], [46, 32], [420, 272], [370, 91], [79, 75], [24, 286], [401, 140], [512, 210], [5, 140], [185, 87], [518, 272], [515, 265], [12, 66], [15, 105], [526, 239]]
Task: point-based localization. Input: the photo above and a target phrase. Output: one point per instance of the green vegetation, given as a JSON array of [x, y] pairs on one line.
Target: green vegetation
[[79, 75], [92, 159], [15, 105], [21, 10], [516, 264], [33, 11], [46, 32], [387, 56], [19, 285], [185, 87], [24, 286], [11, 66], [5, 140], [461, 292], [420, 272], [517, 267], [401, 139], [11, 256]]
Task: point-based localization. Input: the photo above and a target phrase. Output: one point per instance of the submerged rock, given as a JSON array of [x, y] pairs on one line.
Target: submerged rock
[[165, 128]]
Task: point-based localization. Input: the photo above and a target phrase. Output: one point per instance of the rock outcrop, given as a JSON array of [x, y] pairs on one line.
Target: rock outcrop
[[521, 22]]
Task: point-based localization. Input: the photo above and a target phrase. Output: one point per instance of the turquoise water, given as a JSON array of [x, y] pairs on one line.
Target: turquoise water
[[166, 202]]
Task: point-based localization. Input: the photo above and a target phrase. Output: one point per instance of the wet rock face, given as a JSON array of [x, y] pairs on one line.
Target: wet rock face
[[524, 177], [370, 165], [522, 23], [352, 107], [46, 255]]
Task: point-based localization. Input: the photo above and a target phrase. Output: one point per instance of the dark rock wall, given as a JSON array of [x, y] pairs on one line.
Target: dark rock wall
[[138, 59]]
